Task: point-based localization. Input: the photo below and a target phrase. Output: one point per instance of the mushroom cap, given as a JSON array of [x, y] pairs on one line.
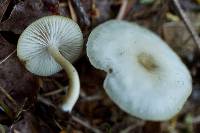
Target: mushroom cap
[[145, 78], [57, 31]]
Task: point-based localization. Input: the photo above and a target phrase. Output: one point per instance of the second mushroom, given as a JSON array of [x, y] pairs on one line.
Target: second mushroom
[[145, 78]]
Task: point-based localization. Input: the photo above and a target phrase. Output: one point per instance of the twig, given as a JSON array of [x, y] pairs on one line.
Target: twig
[[128, 129], [85, 124], [81, 14], [76, 119], [58, 125], [2, 61], [3, 7], [86, 98], [92, 98], [5, 108], [60, 89], [21, 110], [188, 23], [46, 101], [53, 92], [122, 10], [8, 95], [72, 12]]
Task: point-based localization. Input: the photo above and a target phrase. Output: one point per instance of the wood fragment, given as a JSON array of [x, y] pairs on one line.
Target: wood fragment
[[85, 124], [6, 58], [5, 108], [132, 127], [59, 90], [54, 92], [122, 10], [8, 95], [46, 101], [81, 14], [72, 11], [3, 8], [85, 98]]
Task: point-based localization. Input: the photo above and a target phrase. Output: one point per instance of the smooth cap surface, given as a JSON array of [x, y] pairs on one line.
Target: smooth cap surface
[[145, 78], [56, 31]]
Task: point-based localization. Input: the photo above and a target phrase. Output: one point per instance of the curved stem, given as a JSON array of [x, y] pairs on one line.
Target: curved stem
[[74, 83]]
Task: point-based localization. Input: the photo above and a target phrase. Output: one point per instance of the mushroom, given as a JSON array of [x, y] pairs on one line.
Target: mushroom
[[145, 78], [50, 44]]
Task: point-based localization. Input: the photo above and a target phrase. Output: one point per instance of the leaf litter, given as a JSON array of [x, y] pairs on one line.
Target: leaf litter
[[32, 102]]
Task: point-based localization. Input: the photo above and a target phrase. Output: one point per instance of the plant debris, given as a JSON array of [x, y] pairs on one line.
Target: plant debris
[[29, 104]]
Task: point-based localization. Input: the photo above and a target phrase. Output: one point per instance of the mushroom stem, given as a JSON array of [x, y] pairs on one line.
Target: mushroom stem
[[73, 91]]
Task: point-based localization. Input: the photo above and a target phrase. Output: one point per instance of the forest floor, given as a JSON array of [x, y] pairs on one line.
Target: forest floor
[[29, 103]]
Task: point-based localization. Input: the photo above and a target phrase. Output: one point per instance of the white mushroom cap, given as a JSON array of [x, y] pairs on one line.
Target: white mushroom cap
[[61, 32], [145, 78]]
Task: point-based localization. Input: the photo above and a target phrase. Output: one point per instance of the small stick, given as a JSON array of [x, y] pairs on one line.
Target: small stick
[[188, 23], [5, 108], [53, 92], [133, 126], [81, 13], [122, 10], [46, 101], [59, 90], [58, 125], [21, 109], [72, 11], [85, 124], [86, 98], [8, 95], [2, 61], [74, 118], [3, 6]]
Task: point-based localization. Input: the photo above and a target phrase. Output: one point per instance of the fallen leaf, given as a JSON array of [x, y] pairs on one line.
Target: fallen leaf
[[30, 124], [5, 48], [26, 12], [178, 37], [15, 79]]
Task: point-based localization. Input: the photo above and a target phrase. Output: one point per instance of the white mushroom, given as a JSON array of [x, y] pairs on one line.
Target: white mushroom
[[145, 78], [47, 45]]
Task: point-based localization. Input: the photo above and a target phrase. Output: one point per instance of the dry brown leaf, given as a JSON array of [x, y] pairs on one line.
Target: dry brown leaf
[[30, 124], [26, 12], [5, 48], [178, 37], [15, 80]]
